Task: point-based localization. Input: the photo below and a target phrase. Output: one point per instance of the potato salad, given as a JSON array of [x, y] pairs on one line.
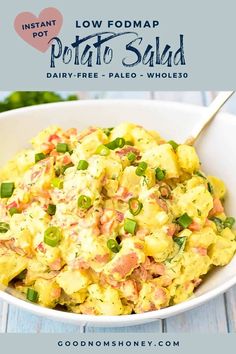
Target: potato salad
[[110, 221]]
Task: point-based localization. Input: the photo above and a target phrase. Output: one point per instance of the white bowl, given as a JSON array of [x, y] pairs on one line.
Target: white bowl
[[216, 148]]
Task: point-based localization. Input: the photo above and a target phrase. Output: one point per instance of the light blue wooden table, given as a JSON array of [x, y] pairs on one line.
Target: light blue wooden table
[[218, 315]]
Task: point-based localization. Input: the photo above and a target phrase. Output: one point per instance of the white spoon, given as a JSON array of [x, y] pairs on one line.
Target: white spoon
[[210, 114]]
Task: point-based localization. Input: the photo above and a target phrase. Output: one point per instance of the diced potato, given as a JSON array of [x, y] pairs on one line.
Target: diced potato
[[197, 202], [43, 136], [151, 295], [228, 234], [193, 266], [143, 139], [162, 156], [106, 300], [123, 130], [203, 238], [181, 291], [187, 158], [130, 180], [10, 266], [88, 146], [222, 251], [49, 292], [219, 188], [15, 168], [158, 246], [72, 281]]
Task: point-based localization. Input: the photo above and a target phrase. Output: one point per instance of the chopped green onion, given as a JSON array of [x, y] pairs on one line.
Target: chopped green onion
[[120, 142], [127, 142], [173, 144], [140, 170], [84, 202], [103, 150], [13, 211], [64, 168], [62, 147], [4, 227], [57, 183], [107, 131], [135, 206], [130, 226], [198, 173], [57, 171], [22, 275], [165, 191], [32, 295], [40, 156], [131, 157], [82, 165], [115, 144], [160, 174], [179, 240], [113, 245], [184, 220], [210, 187], [7, 189], [229, 222], [52, 236], [218, 222], [51, 210]]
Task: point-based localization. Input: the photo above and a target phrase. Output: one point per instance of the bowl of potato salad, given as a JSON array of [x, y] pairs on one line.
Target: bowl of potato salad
[[108, 218]]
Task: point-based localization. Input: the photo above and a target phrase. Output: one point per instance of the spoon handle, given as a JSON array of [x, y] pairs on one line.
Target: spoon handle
[[210, 113]]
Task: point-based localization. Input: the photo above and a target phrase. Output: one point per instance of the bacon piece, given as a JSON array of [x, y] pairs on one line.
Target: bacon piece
[[66, 160], [208, 222], [141, 274], [109, 220], [119, 216], [41, 247], [79, 263], [102, 258], [172, 229], [69, 132], [162, 204], [127, 150], [56, 293], [194, 226], [10, 245], [142, 232], [217, 207], [12, 205], [54, 138], [123, 194], [200, 250], [47, 147], [56, 265], [125, 264], [153, 267], [160, 295], [86, 132], [129, 289]]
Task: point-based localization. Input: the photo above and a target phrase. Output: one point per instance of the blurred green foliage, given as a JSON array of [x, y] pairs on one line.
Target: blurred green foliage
[[19, 99]]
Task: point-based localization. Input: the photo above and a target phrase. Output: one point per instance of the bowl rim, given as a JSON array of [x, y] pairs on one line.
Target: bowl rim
[[122, 319]]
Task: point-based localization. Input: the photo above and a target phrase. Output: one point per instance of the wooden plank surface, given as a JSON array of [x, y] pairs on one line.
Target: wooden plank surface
[[218, 315], [3, 316], [230, 303]]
